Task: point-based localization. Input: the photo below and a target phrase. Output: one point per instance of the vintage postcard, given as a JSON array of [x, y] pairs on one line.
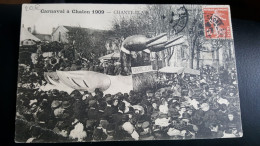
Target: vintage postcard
[[125, 72]]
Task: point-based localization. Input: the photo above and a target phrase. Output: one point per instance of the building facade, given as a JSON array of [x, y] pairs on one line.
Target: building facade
[[60, 34]]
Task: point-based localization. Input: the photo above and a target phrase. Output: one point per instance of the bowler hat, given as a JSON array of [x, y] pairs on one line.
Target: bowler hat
[[145, 124], [110, 128], [92, 103], [65, 104], [104, 123], [55, 103], [109, 98]]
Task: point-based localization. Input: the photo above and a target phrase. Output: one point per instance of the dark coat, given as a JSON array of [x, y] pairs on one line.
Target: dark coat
[[117, 118], [78, 109], [108, 112], [92, 114]]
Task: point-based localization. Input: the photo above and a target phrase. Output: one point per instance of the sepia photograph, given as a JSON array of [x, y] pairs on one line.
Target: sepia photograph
[[126, 72]]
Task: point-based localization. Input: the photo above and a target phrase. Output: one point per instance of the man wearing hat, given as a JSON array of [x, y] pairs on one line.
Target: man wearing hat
[[158, 133], [65, 104], [101, 105], [108, 110], [138, 125], [76, 95], [232, 122], [58, 112], [176, 89], [149, 93], [130, 129], [67, 110], [92, 112], [231, 93], [55, 93], [42, 117], [203, 132], [78, 109], [90, 124], [85, 95], [154, 116], [110, 132], [146, 132], [35, 135], [118, 116], [55, 104], [99, 92]]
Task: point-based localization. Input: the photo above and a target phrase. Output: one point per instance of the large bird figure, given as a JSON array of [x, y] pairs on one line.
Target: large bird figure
[[84, 80], [161, 46], [155, 44], [79, 80], [140, 42]]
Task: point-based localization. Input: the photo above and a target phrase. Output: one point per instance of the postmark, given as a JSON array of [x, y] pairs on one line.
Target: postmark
[[217, 23]]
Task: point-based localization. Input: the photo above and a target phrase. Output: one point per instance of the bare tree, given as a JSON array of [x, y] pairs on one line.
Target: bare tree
[[195, 32], [87, 44], [217, 44], [157, 19]]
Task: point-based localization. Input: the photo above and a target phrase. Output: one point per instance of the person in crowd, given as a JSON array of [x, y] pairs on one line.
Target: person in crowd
[[181, 107]]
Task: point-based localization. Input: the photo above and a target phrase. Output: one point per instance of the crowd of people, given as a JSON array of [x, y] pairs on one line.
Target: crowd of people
[[181, 107], [68, 59], [109, 67]]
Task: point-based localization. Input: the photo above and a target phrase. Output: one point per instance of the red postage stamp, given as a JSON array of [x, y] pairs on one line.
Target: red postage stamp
[[217, 23]]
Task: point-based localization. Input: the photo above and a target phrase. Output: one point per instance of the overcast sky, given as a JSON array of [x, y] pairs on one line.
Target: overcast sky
[[44, 22]]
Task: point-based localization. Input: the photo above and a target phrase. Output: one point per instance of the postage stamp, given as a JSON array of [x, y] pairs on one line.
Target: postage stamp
[[217, 23]]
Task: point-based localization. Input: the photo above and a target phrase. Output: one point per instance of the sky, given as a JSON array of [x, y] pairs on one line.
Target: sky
[[44, 22]]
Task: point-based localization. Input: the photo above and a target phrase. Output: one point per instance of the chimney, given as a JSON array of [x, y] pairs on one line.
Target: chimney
[[53, 29], [29, 29], [34, 30]]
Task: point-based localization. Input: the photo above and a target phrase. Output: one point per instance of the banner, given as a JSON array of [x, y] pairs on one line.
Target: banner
[[141, 69]]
